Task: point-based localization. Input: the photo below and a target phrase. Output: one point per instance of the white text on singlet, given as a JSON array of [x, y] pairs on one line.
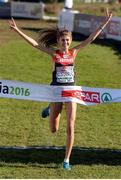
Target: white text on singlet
[[65, 74]]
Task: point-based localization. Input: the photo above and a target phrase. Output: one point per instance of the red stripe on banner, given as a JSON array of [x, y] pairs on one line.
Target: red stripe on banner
[[86, 96]]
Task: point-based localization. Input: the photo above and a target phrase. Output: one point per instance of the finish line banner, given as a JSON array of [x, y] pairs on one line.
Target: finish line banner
[[38, 92]]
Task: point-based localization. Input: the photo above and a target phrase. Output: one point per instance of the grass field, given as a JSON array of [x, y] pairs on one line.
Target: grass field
[[97, 148], [86, 8]]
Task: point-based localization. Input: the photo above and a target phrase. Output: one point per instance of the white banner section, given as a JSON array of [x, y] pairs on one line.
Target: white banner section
[[47, 93]]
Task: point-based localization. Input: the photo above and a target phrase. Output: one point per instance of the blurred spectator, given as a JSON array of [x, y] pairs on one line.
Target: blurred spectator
[[68, 4], [42, 8]]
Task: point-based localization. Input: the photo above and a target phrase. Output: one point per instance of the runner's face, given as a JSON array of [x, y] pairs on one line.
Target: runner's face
[[64, 42]]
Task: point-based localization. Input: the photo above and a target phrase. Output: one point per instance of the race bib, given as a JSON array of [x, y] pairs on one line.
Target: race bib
[[65, 74]]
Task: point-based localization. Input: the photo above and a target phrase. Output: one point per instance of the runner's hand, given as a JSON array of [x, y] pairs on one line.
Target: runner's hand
[[108, 14], [13, 25]]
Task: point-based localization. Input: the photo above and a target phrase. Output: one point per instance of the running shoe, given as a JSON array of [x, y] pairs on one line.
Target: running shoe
[[66, 166], [45, 112]]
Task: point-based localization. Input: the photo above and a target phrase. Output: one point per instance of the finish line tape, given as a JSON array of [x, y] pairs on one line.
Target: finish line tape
[[46, 93]]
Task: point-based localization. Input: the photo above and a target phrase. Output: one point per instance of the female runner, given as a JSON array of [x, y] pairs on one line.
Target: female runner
[[63, 71]]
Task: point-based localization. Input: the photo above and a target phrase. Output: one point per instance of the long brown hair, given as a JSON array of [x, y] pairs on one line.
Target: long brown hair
[[48, 36]]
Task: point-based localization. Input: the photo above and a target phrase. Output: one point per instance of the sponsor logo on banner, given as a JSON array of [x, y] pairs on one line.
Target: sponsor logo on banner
[[87, 96], [106, 97], [15, 91], [47, 93]]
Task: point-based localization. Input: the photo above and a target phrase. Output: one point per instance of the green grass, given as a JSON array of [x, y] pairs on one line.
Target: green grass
[[96, 127], [86, 8]]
